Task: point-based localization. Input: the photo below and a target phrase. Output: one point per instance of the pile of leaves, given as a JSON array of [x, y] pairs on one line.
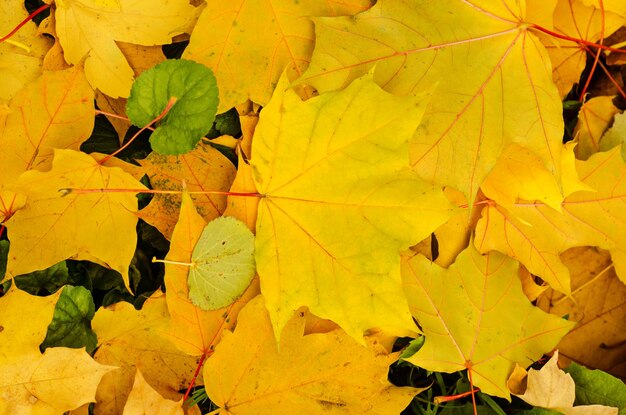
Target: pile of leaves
[[312, 207]]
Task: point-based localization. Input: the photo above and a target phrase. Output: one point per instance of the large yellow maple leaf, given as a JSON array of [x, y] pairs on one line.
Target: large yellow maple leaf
[[493, 77], [326, 373], [59, 380], [536, 234], [337, 204], [476, 317], [248, 43], [96, 226], [88, 29], [54, 111]]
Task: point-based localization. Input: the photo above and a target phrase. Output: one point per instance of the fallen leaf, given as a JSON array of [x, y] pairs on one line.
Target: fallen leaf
[[191, 329], [203, 169], [519, 174], [476, 317], [96, 226], [55, 111], [183, 96], [338, 204], [572, 18], [59, 380], [597, 387], [132, 339], [248, 43], [81, 23], [536, 234], [598, 304], [144, 400], [503, 94], [552, 388], [259, 377], [21, 56], [222, 264], [594, 118]]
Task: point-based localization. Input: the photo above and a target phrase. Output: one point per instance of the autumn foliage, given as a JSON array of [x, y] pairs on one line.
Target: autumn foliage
[[445, 176]]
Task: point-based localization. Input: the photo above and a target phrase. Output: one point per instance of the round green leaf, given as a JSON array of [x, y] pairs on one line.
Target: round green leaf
[[223, 264], [195, 89]]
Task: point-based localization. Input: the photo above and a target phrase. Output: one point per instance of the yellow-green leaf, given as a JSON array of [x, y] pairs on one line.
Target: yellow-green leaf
[[476, 317]]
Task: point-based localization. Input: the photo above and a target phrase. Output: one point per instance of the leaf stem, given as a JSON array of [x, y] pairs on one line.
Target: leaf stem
[[196, 373], [28, 19], [575, 40], [163, 113], [67, 190], [438, 400], [581, 97], [167, 261], [472, 389], [119, 117]]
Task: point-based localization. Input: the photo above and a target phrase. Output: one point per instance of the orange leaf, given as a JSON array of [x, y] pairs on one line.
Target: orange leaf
[[203, 169]]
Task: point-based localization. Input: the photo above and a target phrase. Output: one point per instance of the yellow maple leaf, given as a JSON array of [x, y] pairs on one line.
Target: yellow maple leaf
[[80, 25], [552, 388], [132, 339], [97, 226], [21, 56], [191, 329], [535, 234], [54, 111], [494, 86], [257, 376], [59, 380], [338, 203], [519, 174], [202, 169], [248, 43], [476, 317], [144, 400], [598, 304]]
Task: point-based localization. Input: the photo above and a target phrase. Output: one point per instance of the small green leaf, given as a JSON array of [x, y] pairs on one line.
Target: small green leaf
[[44, 282], [4, 253], [195, 89], [71, 322], [223, 264], [413, 347], [595, 387]]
